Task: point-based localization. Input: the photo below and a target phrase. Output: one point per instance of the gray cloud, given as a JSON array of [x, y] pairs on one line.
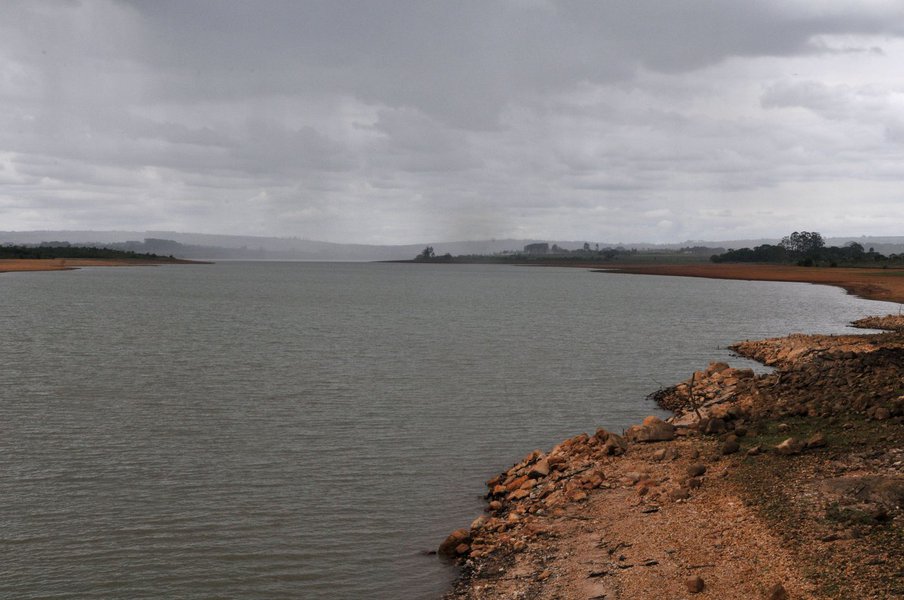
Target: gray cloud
[[409, 121]]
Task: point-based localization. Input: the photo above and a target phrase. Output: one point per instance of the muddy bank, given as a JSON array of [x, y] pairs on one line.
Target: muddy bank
[[784, 485], [65, 264], [869, 283]]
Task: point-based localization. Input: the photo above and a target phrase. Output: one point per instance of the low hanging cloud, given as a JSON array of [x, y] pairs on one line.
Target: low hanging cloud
[[397, 122]]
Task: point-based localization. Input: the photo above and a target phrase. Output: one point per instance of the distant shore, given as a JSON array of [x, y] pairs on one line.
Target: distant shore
[[10, 265], [870, 283]]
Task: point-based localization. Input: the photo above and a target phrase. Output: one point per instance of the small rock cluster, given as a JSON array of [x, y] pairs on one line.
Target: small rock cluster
[[540, 483]]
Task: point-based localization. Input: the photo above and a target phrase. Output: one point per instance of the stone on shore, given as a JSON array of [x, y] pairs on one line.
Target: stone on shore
[[452, 544], [790, 446], [653, 429], [777, 592], [694, 584], [539, 470]]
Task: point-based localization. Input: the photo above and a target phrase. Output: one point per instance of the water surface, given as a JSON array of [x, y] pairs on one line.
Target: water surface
[[304, 430]]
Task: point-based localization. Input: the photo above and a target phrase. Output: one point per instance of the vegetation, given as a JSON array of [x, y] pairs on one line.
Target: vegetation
[[542, 253], [808, 249], [64, 250]]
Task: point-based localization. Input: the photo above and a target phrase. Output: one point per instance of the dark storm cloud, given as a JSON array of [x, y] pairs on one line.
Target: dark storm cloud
[[402, 121]]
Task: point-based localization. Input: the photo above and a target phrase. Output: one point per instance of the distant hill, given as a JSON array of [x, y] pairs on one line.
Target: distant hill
[[199, 245]]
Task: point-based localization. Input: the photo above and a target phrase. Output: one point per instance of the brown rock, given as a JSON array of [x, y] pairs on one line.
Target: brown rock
[[880, 413], [539, 470], [777, 592], [679, 494], [449, 547], [716, 367], [653, 429], [790, 446], [515, 483], [518, 495], [817, 440], [696, 470], [730, 447], [713, 426], [615, 445], [577, 495], [694, 584]]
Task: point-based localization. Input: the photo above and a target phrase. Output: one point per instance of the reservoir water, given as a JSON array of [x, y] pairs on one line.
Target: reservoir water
[[308, 430]]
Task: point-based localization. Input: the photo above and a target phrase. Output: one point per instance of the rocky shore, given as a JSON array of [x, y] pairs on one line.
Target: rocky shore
[[783, 485]]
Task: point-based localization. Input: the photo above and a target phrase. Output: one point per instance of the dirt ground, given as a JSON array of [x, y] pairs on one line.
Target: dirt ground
[[64, 264], [874, 284]]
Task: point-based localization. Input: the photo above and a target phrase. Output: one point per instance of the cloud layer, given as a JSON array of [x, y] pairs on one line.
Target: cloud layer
[[397, 122]]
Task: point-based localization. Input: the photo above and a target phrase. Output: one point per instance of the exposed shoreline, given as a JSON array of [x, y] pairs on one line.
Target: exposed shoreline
[[784, 485], [22, 265], [869, 283]]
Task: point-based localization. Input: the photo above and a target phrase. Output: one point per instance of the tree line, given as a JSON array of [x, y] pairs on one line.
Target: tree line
[[68, 251], [807, 249]]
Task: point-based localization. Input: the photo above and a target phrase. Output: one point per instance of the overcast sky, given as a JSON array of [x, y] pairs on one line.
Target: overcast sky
[[385, 121]]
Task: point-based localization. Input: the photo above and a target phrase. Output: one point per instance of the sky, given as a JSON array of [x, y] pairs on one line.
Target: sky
[[383, 121]]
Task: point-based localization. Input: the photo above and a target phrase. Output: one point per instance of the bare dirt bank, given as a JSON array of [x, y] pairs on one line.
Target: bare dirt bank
[[873, 284], [63, 264], [784, 485]]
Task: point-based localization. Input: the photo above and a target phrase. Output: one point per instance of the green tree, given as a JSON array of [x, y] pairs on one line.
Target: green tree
[[803, 242]]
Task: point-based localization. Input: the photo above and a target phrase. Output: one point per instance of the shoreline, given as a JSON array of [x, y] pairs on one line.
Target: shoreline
[[26, 265], [783, 485], [866, 282]]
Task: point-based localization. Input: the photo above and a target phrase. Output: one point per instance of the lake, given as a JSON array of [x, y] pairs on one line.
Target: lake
[[308, 430]]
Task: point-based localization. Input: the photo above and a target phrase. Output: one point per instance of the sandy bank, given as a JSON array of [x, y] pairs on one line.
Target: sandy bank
[[785, 485], [63, 264], [873, 284]]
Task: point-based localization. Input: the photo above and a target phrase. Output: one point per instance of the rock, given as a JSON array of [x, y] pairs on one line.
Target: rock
[[577, 495], [817, 440], [790, 446], [730, 447], [783, 427], [679, 494], [754, 450], [777, 592], [615, 445], [716, 367], [694, 483], [653, 429], [694, 584], [450, 546], [696, 470], [539, 470], [518, 495], [713, 426], [880, 413]]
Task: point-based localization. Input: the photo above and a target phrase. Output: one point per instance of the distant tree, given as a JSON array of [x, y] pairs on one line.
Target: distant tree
[[803, 242], [427, 253]]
